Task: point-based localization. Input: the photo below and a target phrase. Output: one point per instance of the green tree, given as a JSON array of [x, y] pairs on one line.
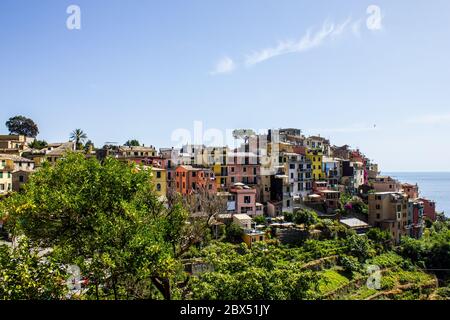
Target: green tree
[[359, 247], [261, 273], [88, 146], [349, 263], [380, 238], [307, 217], [23, 126], [432, 250], [234, 232], [78, 136], [38, 144], [105, 218], [259, 220], [26, 275], [132, 143]]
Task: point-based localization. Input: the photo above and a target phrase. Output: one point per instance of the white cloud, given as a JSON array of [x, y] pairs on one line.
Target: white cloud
[[307, 42], [430, 119], [225, 65]]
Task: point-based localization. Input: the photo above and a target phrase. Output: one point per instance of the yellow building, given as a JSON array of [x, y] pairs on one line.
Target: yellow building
[[159, 178], [6, 169], [316, 157], [252, 236]]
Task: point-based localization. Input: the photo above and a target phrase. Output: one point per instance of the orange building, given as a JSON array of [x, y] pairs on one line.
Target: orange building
[[190, 179]]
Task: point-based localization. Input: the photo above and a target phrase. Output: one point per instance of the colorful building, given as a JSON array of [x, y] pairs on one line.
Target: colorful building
[[190, 179], [415, 218], [411, 190], [389, 211], [242, 200], [6, 170], [385, 184], [159, 179], [429, 209], [316, 156]]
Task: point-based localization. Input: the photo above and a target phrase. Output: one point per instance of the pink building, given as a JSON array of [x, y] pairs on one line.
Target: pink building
[[242, 200], [244, 173]]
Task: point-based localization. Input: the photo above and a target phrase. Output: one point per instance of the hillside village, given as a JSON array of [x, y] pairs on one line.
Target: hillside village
[[270, 175], [283, 216]]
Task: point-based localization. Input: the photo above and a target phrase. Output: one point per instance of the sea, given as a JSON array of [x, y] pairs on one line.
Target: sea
[[432, 185]]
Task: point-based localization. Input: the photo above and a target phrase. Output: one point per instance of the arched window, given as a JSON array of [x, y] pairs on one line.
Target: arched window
[[158, 187]]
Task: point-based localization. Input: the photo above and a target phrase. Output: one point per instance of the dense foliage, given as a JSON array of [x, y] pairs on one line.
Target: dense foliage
[[432, 251], [38, 144], [306, 217], [106, 219], [264, 272], [24, 274], [23, 126], [132, 143]]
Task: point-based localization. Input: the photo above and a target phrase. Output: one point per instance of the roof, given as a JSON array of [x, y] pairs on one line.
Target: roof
[[125, 148], [314, 196], [409, 185], [188, 168], [15, 158], [241, 216], [253, 232], [223, 193], [319, 138], [63, 148], [354, 223]]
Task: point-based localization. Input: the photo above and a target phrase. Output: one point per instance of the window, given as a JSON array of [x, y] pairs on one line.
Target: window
[[2, 187], [245, 169], [1, 175], [184, 185], [21, 179], [288, 203], [232, 179], [194, 174], [158, 187], [378, 207], [378, 216], [292, 166], [210, 187], [254, 171], [232, 169], [158, 174], [246, 199]]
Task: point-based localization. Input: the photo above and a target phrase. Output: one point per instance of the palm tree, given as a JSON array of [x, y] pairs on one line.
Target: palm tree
[[79, 137]]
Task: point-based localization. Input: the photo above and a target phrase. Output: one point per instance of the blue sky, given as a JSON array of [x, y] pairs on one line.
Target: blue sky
[[142, 69]]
